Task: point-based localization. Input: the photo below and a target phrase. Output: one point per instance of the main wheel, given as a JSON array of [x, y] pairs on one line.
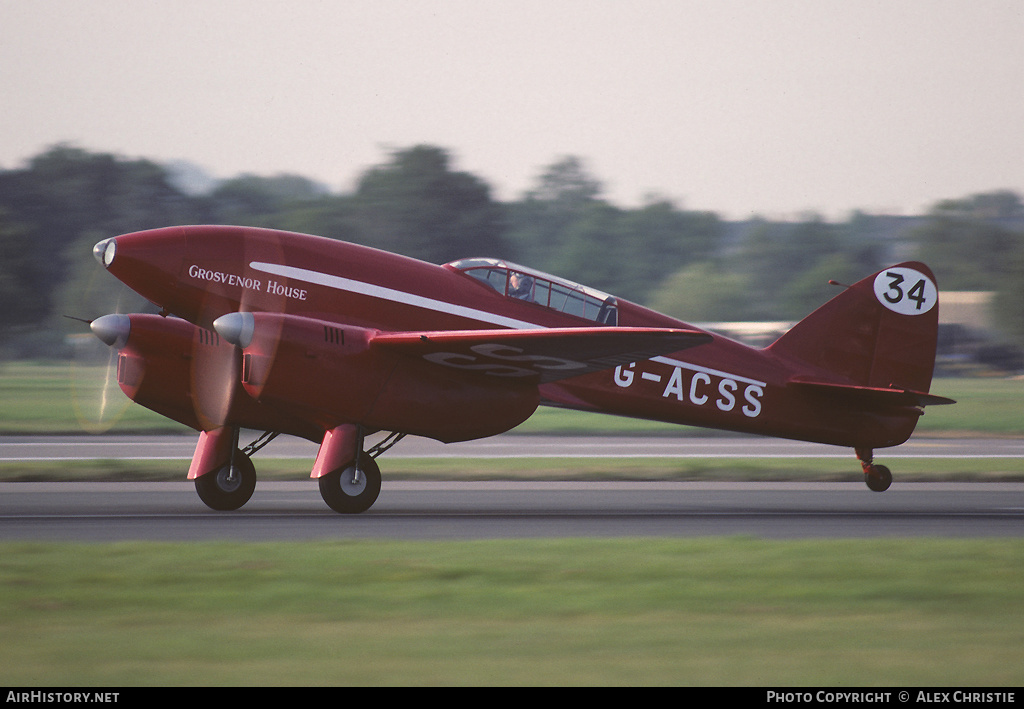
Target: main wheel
[[348, 496], [227, 489], [878, 478]]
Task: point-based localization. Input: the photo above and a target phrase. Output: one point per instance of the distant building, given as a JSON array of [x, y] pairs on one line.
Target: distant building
[[965, 321], [754, 334], [968, 336], [972, 309]]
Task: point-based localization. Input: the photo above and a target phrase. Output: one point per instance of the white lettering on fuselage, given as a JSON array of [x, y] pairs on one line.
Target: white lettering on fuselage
[[275, 288], [700, 386], [244, 282]]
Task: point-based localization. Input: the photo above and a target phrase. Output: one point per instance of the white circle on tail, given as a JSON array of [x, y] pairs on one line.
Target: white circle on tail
[[906, 291]]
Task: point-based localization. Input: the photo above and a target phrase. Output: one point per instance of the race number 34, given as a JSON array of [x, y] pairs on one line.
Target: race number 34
[[906, 291]]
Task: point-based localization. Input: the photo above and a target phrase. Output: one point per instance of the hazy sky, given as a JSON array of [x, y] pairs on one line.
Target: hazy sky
[[771, 107]]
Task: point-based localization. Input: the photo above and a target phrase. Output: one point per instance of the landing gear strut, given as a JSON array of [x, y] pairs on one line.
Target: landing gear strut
[[876, 477]]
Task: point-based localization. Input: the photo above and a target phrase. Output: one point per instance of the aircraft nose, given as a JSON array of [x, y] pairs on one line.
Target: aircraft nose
[[105, 251], [113, 330]]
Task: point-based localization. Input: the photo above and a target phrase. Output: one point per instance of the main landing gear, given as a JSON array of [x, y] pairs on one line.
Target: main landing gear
[[349, 488], [231, 485], [353, 488], [876, 477]]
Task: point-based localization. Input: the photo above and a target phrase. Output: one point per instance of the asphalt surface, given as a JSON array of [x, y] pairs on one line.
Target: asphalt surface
[[281, 511], [479, 510]]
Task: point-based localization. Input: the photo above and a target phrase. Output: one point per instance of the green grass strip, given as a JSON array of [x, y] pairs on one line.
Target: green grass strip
[[732, 611], [58, 397]]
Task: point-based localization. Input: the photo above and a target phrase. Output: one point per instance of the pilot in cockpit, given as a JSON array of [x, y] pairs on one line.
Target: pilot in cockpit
[[520, 286]]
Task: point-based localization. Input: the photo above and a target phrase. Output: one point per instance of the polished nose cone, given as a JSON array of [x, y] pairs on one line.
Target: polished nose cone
[[112, 329], [236, 328], [105, 251]]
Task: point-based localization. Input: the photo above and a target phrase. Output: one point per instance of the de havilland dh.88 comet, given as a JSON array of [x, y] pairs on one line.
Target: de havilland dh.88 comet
[[331, 341]]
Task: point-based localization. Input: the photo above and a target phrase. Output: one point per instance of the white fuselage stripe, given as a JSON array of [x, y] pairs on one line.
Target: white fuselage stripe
[[396, 296], [706, 370]]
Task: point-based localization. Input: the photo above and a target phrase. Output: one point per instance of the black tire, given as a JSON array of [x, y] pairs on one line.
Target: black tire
[[879, 478], [341, 496], [220, 492]]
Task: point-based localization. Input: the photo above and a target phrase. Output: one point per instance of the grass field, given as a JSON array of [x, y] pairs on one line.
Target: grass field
[[57, 398], [544, 612]]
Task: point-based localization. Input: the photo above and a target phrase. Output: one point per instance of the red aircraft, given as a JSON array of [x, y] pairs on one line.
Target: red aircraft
[[331, 341]]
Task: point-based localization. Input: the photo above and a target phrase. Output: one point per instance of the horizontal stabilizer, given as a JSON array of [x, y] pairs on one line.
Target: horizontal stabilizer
[[874, 396], [541, 355]]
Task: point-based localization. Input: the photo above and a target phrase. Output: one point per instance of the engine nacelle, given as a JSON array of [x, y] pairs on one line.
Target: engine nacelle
[[333, 374], [187, 374]]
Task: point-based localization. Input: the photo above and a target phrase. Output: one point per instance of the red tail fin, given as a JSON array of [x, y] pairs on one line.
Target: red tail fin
[[877, 334]]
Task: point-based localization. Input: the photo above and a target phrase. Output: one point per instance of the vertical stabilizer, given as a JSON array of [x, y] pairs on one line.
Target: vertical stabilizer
[[880, 333]]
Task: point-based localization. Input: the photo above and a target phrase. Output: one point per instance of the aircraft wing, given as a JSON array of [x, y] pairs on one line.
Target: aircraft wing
[[540, 355]]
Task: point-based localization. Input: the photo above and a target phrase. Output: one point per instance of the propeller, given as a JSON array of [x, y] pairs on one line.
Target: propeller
[[96, 397], [217, 361], [215, 379]]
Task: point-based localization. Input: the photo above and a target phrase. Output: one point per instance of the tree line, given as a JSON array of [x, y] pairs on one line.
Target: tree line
[[690, 264]]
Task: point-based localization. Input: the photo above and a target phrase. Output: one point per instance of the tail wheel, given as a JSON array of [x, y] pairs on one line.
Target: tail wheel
[[228, 487], [348, 493], [878, 478]]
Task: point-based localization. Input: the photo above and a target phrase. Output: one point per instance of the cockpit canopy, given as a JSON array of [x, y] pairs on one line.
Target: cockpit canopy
[[514, 281]]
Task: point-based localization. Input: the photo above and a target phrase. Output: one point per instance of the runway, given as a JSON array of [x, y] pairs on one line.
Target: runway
[[290, 511]]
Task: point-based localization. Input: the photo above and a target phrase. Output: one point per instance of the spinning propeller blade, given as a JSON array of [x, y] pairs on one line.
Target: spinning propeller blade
[[96, 397], [216, 360]]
